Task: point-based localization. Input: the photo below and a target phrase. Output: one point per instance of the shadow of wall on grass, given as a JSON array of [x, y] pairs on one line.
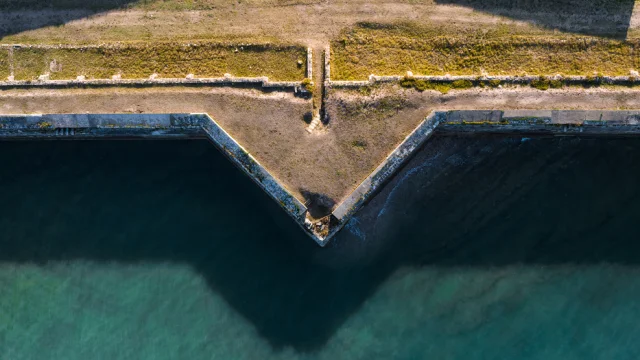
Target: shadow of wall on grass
[[606, 18], [458, 203]]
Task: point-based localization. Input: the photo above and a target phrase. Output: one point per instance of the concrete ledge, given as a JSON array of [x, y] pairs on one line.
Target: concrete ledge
[[542, 121]]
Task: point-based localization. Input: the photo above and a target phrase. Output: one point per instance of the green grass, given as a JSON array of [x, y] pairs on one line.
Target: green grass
[[169, 60], [393, 49], [4, 64]]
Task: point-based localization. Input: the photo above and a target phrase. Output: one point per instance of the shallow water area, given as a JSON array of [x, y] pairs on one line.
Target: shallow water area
[[481, 247]]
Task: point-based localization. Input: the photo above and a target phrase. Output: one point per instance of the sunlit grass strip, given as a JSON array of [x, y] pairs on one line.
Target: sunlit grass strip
[[167, 60], [4, 64], [394, 49]]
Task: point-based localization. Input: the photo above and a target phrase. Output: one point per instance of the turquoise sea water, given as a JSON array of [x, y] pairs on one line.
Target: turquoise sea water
[[481, 248]]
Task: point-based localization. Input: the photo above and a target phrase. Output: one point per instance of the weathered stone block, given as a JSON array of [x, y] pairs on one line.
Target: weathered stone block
[[474, 116]]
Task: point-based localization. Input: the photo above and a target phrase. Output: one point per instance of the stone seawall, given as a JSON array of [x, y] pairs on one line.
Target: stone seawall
[[167, 126], [524, 122], [541, 122], [158, 126]]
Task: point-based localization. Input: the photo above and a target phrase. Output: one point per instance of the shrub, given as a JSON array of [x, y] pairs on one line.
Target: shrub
[[556, 84], [461, 84], [306, 84], [541, 83], [407, 82], [421, 85], [359, 144]]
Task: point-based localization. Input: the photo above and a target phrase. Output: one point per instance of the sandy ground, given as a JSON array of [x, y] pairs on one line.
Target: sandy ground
[[323, 166], [310, 22]]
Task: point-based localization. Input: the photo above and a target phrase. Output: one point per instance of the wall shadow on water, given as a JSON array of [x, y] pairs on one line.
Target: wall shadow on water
[[17, 16], [494, 201], [479, 202], [180, 202], [607, 18]]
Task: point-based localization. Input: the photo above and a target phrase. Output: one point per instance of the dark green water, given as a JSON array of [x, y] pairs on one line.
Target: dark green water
[[485, 248]]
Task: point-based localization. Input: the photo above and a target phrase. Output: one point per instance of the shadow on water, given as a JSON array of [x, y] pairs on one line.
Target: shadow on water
[[460, 202], [608, 18], [24, 15]]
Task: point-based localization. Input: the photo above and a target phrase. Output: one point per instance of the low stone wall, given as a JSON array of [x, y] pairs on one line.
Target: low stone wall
[[309, 63], [263, 82], [373, 79], [327, 66]]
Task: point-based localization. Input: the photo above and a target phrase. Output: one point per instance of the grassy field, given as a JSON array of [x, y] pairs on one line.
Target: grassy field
[[169, 60], [393, 49]]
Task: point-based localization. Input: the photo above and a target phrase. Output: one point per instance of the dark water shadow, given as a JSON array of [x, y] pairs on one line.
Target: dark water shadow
[[17, 16], [494, 201], [461, 202], [606, 18], [178, 202]]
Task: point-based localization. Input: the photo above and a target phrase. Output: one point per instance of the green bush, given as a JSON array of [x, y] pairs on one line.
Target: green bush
[[421, 85], [494, 83], [541, 83], [462, 84], [306, 83], [407, 82], [556, 84]]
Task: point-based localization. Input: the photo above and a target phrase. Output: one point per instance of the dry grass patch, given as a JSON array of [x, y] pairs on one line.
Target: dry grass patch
[[4, 64], [392, 49], [170, 60]]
